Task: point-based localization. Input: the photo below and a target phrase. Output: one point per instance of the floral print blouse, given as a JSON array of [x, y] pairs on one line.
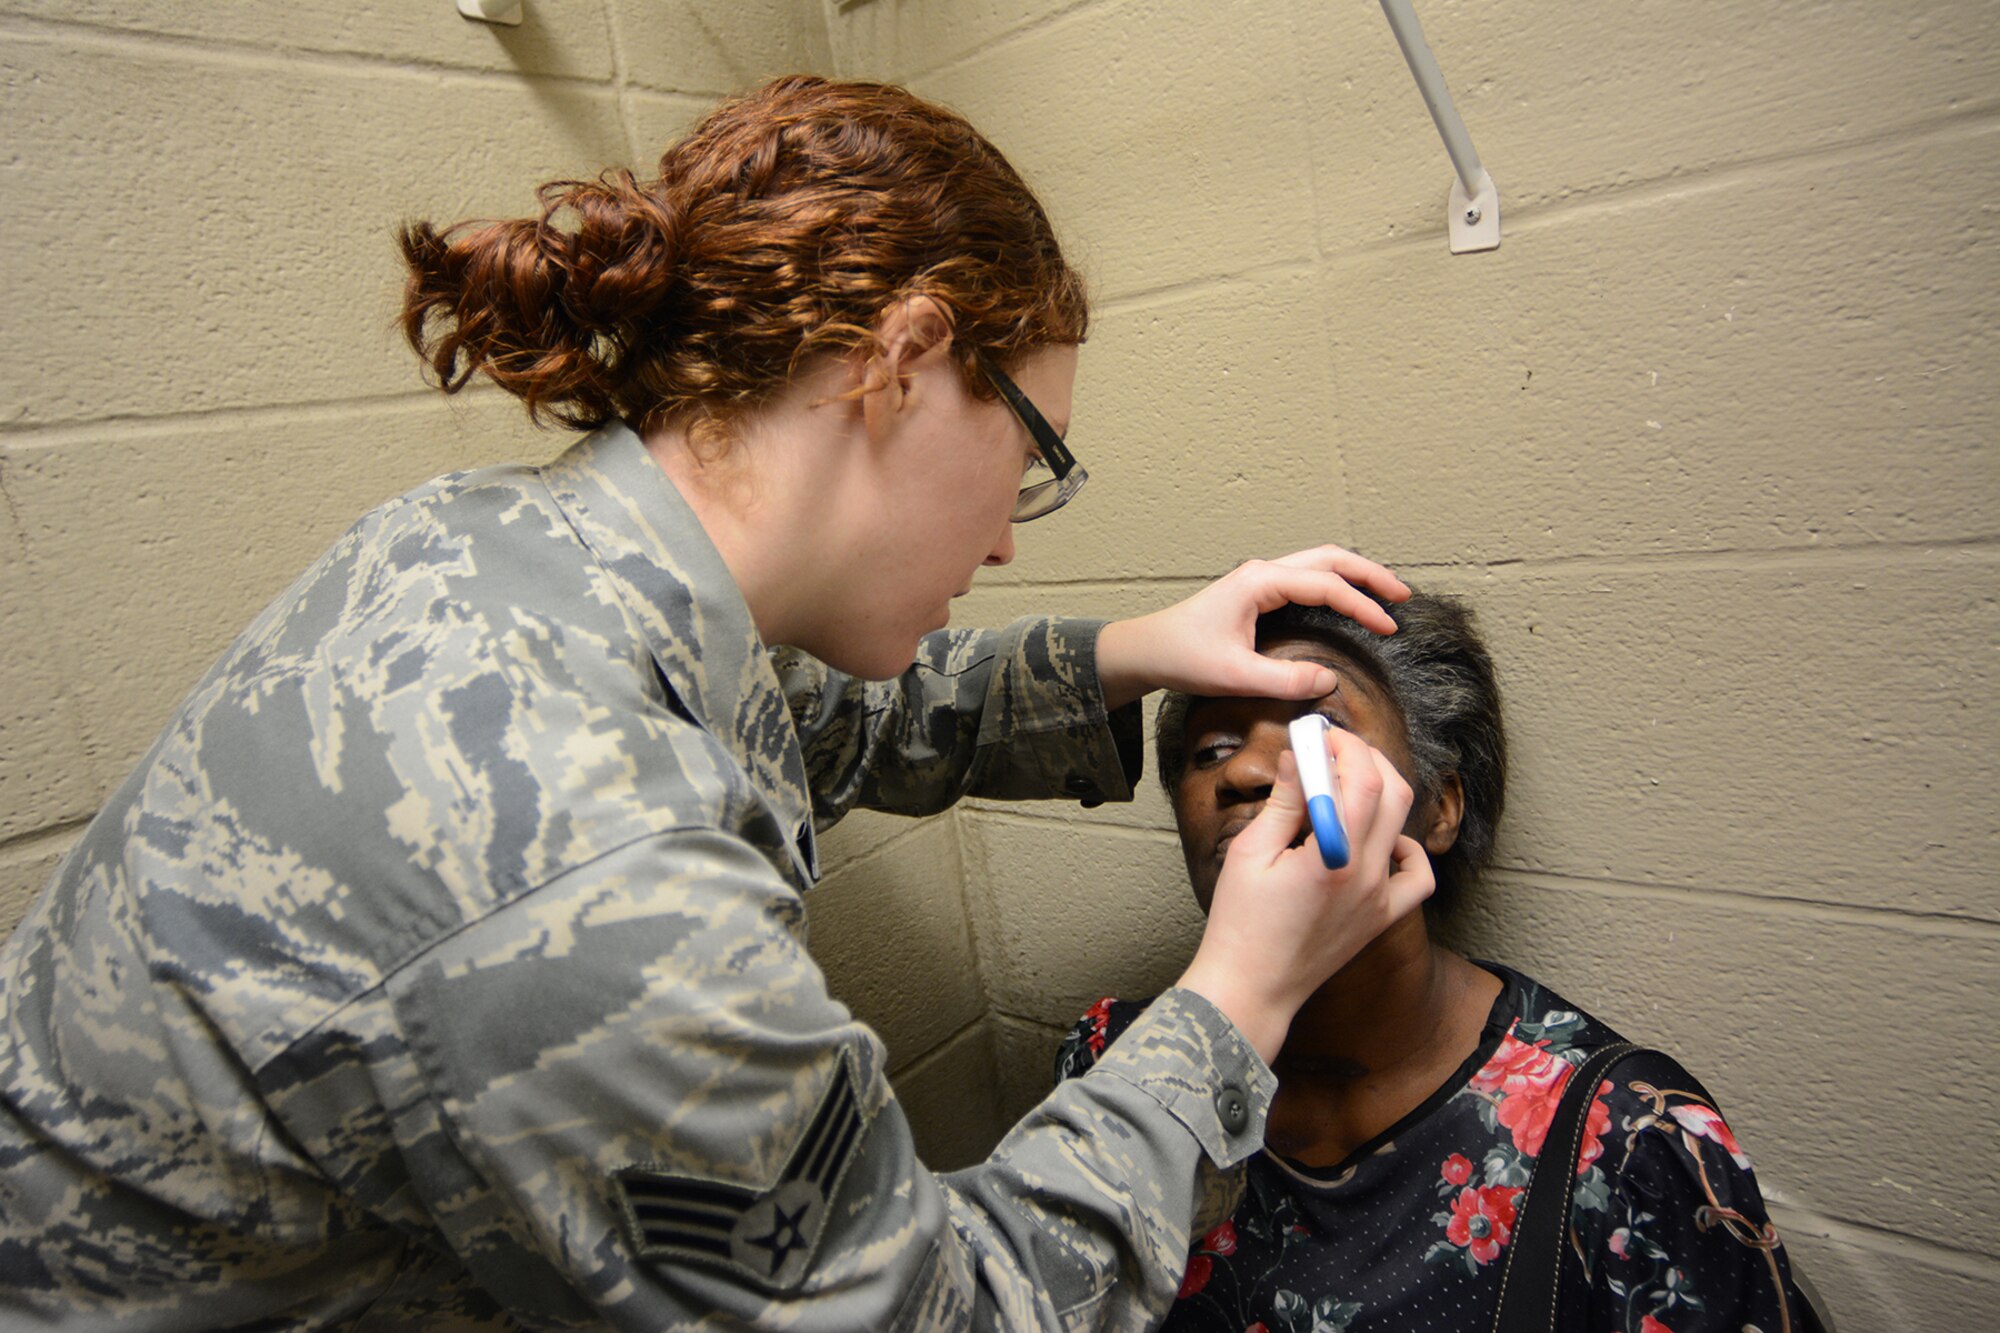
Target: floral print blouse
[[1668, 1232]]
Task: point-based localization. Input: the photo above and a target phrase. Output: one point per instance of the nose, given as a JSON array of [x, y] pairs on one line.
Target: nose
[[1003, 550], [1251, 769]]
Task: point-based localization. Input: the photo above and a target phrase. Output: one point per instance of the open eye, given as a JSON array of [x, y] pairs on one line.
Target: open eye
[[1212, 749]]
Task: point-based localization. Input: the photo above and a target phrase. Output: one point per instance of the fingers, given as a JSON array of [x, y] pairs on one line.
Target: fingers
[[1391, 813], [1277, 583], [1278, 824], [1260, 677], [1356, 569], [1375, 801], [1374, 798], [1206, 643], [1411, 881], [1360, 780]]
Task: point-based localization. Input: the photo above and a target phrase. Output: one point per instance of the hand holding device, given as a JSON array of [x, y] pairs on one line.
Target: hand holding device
[[1281, 922], [1322, 792]]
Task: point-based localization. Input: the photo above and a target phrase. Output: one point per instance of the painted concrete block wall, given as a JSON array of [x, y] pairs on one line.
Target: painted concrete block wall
[[201, 383], [1709, 443]]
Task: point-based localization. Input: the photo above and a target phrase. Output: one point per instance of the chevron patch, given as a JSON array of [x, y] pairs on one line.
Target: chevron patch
[[768, 1236]]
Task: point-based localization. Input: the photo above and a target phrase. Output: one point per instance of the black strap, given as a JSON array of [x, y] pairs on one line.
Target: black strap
[[1531, 1281]]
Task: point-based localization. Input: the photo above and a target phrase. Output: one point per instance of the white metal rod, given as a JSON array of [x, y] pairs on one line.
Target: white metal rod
[[1430, 82]]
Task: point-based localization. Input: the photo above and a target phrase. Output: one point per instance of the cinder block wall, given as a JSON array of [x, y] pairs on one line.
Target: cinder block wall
[[1709, 443]]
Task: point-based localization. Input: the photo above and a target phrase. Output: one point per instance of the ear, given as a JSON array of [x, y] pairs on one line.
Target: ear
[[911, 336], [1447, 812]]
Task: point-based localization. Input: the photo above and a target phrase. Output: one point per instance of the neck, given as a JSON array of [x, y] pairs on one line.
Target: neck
[[765, 502], [1392, 1007]]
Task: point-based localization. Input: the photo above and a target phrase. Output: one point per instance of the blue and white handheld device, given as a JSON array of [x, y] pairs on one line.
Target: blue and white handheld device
[[1322, 793]]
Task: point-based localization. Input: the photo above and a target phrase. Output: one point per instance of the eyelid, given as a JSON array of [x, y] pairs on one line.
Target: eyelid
[[1210, 740]]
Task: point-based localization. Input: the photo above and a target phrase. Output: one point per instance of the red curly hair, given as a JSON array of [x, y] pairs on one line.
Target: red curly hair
[[781, 227]]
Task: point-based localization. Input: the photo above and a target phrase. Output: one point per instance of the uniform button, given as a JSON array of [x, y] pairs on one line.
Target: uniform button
[[1234, 1108], [1079, 785]]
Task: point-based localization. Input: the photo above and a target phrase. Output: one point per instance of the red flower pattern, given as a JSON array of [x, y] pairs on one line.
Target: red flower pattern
[[1529, 1083], [1220, 1241], [1648, 1324], [1704, 1122], [1595, 1127], [1457, 1169], [1482, 1220], [1099, 1015], [1199, 1270]]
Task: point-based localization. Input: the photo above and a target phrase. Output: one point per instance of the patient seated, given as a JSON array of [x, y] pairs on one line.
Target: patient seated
[[1416, 1086]]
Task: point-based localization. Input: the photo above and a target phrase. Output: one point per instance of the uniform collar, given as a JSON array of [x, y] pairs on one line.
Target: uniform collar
[[668, 573]]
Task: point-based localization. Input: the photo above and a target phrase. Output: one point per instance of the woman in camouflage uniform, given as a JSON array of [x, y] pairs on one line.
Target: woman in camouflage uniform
[[443, 963]]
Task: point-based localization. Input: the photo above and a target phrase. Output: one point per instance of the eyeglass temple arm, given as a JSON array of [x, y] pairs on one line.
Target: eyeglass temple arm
[[1054, 451]]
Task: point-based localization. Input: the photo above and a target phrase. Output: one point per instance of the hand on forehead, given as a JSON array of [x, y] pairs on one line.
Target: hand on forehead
[[1358, 702]]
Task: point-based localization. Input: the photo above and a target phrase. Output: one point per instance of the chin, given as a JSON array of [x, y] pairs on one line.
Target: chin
[[1203, 873], [872, 661]]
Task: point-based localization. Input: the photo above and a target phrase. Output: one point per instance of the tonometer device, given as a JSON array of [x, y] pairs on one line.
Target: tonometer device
[[1322, 793]]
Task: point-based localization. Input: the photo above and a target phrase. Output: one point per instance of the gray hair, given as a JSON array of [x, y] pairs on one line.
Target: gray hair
[[1436, 671]]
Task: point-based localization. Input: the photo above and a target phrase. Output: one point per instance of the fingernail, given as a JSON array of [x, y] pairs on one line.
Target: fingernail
[[1324, 681]]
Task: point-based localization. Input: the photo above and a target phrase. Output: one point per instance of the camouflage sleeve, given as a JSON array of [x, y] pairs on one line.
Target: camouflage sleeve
[[1015, 714], [649, 1112]]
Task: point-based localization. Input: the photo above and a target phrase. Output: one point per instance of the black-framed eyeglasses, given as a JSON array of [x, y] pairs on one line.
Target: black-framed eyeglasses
[[1054, 478]]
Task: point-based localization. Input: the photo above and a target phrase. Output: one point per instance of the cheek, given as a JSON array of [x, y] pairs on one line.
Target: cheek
[[1187, 809], [996, 503], [1002, 459], [972, 502], [1194, 817]]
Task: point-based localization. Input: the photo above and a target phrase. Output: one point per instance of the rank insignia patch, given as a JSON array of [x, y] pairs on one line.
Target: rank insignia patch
[[769, 1236]]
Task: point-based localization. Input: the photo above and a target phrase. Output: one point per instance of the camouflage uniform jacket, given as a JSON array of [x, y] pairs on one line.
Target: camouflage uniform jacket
[[443, 965]]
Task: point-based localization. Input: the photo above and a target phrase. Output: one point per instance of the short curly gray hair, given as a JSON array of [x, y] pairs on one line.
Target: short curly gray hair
[[1436, 670]]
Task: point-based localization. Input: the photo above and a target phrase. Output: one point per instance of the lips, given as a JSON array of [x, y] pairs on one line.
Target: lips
[[1236, 826], [1229, 832]]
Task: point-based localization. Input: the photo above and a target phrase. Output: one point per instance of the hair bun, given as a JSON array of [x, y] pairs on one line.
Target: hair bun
[[777, 230], [552, 315], [617, 264]]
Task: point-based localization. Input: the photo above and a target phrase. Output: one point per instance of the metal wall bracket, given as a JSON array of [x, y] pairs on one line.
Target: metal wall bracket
[[1473, 220]]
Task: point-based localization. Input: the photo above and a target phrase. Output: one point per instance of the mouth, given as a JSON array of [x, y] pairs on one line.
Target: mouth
[[1236, 826], [1229, 832]]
